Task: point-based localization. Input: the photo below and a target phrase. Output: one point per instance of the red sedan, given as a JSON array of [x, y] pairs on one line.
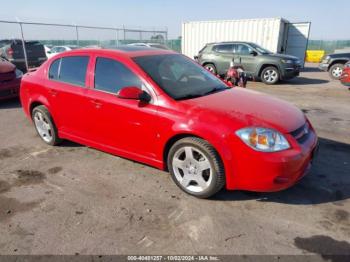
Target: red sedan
[[161, 108], [10, 80], [345, 77]]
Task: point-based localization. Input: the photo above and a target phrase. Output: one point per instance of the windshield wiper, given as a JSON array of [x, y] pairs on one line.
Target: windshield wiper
[[214, 90], [189, 96]]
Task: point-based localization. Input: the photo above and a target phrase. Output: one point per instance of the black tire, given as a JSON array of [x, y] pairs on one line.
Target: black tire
[[335, 71], [218, 172], [48, 119], [211, 68], [270, 75]]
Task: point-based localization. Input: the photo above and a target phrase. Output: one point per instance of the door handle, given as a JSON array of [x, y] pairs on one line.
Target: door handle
[[96, 103], [53, 93]]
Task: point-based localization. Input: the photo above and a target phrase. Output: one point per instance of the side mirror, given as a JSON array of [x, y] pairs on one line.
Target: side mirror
[[135, 93], [253, 53]]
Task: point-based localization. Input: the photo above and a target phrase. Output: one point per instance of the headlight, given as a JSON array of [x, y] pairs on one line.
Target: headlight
[[326, 59], [287, 61], [19, 73], [263, 139]]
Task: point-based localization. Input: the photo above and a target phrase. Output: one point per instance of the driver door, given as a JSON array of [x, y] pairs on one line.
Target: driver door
[[243, 55], [127, 126]]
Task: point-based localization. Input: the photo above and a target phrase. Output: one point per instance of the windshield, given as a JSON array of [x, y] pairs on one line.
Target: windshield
[[180, 77], [260, 49]]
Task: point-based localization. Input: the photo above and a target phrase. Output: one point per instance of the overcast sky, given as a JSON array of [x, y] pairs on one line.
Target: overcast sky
[[330, 18]]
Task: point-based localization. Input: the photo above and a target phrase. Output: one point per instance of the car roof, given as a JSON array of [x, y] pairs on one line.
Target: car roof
[[230, 42], [126, 51]]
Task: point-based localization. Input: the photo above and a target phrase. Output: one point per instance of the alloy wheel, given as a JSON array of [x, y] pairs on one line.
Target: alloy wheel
[[43, 127], [192, 169], [337, 71], [210, 68], [270, 76]]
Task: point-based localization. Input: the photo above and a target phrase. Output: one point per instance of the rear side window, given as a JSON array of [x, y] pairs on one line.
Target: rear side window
[[205, 49], [53, 72], [111, 76], [73, 70], [227, 48]]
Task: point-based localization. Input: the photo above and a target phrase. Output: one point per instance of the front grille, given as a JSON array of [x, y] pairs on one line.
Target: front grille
[[5, 77], [302, 133]]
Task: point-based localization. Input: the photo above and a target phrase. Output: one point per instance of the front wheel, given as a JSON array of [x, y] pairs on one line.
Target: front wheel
[[196, 167], [270, 75], [335, 71]]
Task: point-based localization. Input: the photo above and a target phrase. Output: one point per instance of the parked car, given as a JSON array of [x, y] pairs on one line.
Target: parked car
[[12, 50], [257, 62], [60, 49], [10, 79], [345, 77], [47, 50], [152, 45], [163, 109], [334, 64]]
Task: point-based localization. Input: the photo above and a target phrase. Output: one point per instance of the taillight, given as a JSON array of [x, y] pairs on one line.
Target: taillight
[[10, 52]]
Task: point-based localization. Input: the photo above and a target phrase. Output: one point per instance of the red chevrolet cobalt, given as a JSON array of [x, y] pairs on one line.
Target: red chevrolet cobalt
[[161, 108]]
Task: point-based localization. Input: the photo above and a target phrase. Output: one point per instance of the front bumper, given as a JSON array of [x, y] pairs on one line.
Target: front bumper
[[9, 89], [290, 71], [323, 66], [269, 172]]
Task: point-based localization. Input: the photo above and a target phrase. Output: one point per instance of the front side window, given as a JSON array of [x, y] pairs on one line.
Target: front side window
[[73, 70], [241, 49], [180, 77], [111, 76]]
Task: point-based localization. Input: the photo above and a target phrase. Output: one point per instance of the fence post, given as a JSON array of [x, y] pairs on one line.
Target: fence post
[[24, 47], [117, 37], [77, 33], [166, 36], [124, 34]]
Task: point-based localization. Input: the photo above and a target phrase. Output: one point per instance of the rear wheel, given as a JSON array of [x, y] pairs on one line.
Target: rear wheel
[[270, 75], [196, 167], [211, 68], [45, 126], [335, 71]]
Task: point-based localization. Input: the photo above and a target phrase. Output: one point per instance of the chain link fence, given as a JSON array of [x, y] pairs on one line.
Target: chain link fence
[[329, 46], [76, 35]]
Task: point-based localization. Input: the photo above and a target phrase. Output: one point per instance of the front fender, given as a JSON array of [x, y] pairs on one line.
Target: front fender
[[220, 142]]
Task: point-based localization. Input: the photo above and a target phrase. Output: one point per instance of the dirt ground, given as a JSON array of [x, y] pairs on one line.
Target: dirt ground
[[76, 200]]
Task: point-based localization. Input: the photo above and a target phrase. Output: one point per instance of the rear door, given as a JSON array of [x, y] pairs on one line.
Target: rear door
[[223, 55], [67, 81], [296, 39]]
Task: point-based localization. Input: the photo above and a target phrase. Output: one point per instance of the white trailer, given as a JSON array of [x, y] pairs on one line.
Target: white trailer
[[275, 34]]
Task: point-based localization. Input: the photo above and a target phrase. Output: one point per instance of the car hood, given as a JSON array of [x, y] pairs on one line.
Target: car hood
[[281, 56], [247, 108]]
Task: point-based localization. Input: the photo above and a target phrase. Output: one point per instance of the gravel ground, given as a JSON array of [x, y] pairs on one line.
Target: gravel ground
[[73, 199]]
